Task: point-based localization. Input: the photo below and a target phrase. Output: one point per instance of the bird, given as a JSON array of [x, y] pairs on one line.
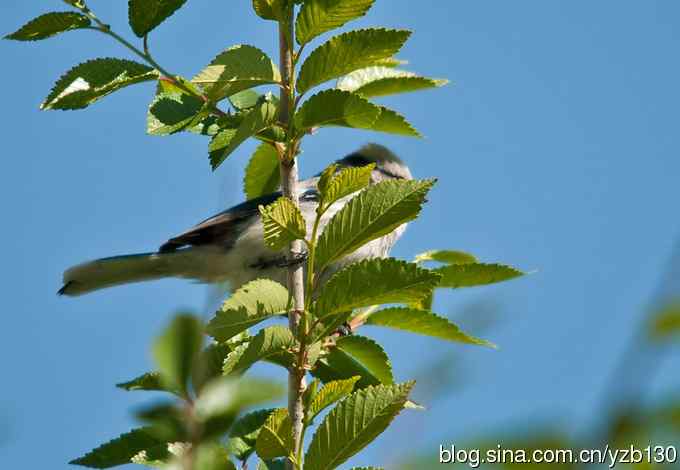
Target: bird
[[228, 248]]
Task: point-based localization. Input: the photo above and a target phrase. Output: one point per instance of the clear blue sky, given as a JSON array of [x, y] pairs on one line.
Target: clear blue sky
[[556, 148]]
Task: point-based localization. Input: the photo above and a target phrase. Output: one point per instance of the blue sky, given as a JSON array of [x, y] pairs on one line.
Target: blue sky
[[556, 148]]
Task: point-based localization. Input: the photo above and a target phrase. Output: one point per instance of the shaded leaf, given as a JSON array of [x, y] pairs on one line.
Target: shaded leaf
[[145, 15], [446, 256], [268, 341], [175, 351], [121, 450], [422, 322], [212, 456], [262, 174], [373, 282], [244, 432], [332, 392], [348, 52], [276, 436], [92, 80], [278, 464], [236, 69], [355, 356], [666, 322], [244, 99], [375, 212], [251, 304], [173, 110], [475, 274], [282, 222], [382, 81], [50, 24], [270, 9], [254, 121], [336, 108], [354, 423], [319, 16], [209, 364]]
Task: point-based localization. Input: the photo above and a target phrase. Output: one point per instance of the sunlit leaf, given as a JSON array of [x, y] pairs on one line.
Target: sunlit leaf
[[50, 24], [381, 81], [319, 16], [347, 181], [244, 432], [475, 274], [268, 342], [336, 108], [276, 437], [446, 256], [283, 223], [331, 392]]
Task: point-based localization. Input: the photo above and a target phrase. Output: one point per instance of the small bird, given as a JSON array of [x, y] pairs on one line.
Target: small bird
[[229, 247]]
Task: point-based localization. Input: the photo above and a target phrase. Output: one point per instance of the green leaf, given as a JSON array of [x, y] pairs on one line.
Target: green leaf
[[151, 381], [121, 450], [268, 342], [172, 109], [212, 456], [236, 69], [278, 464], [319, 16], [50, 24], [244, 432], [373, 282], [355, 356], [382, 81], [347, 181], [354, 423], [666, 322], [251, 304], [262, 173], [331, 392], [424, 323], [446, 256], [256, 120], [326, 177], [176, 350], [209, 364], [283, 223], [270, 9], [375, 212], [391, 122], [276, 436], [336, 108], [92, 80], [145, 15], [348, 52], [244, 99], [475, 274]]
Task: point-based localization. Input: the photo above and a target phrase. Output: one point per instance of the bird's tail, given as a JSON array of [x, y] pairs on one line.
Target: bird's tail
[[109, 272]]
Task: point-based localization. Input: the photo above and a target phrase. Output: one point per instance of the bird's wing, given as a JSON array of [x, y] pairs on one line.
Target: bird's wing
[[220, 229]]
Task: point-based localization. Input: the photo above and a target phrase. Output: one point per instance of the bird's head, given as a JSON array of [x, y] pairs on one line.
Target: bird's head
[[387, 164]]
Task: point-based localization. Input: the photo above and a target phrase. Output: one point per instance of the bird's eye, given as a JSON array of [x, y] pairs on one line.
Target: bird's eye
[[310, 195]]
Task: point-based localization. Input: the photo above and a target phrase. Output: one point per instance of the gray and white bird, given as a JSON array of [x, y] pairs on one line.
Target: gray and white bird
[[229, 247]]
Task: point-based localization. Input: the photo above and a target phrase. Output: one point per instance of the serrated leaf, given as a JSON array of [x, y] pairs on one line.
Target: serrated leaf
[[268, 342], [145, 15], [319, 16], [276, 436], [326, 177], [475, 274], [90, 81], [254, 121], [244, 432], [282, 222], [244, 99], [50, 24], [262, 174], [354, 423], [348, 52], [173, 110], [251, 304], [382, 81], [330, 393], [336, 108], [392, 122], [375, 212], [151, 381], [176, 350], [446, 256], [373, 282], [349, 180], [424, 323], [354, 357], [236, 69], [121, 450]]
